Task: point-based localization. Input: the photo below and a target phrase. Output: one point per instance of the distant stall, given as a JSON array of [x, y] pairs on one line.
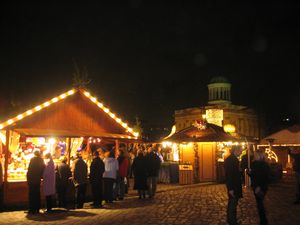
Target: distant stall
[[63, 125], [200, 150], [277, 144]]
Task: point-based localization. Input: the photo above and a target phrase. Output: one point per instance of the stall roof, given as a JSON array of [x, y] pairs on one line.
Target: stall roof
[[75, 113], [288, 136], [209, 133]]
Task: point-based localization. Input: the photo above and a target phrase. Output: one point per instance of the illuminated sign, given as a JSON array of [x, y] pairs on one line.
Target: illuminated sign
[[214, 116]]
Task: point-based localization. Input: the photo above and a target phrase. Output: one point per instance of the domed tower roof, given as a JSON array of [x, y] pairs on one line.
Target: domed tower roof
[[219, 91], [219, 79]]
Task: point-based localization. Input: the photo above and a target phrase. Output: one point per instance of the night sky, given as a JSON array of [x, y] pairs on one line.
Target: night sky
[[148, 59]]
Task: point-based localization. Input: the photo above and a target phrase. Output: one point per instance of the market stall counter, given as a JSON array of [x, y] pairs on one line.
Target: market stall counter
[[169, 173]]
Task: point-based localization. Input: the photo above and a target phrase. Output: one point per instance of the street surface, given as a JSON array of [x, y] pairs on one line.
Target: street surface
[[174, 204]]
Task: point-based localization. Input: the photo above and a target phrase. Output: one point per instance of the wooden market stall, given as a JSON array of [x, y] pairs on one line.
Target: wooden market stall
[[200, 148], [65, 121], [278, 143]]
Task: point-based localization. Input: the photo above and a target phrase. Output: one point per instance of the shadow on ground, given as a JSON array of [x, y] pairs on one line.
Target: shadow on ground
[[58, 215]]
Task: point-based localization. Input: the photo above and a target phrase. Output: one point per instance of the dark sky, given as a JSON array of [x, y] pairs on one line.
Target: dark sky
[[147, 59]]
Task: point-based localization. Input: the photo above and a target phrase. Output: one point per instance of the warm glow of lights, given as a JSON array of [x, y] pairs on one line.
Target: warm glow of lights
[[52, 141], [46, 104], [166, 144], [10, 121], [229, 128], [214, 116], [2, 137], [175, 152], [38, 108], [62, 96], [54, 99], [106, 110], [71, 92], [271, 155], [19, 117]]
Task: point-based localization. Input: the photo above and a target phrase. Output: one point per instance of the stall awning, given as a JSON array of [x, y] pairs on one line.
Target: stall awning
[[72, 114], [209, 133], [288, 136]]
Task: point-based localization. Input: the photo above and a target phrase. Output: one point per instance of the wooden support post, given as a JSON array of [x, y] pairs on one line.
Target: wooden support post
[[117, 148], [5, 184], [68, 149]]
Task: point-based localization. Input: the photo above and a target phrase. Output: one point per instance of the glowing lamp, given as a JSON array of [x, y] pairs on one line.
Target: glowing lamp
[[54, 99], [229, 128], [19, 117], [87, 94], [46, 104], [63, 96], [10, 122], [71, 92], [38, 108], [29, 112]]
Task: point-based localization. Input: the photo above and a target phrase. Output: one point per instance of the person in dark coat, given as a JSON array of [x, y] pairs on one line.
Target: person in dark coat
[[296, 169], [140, 174], [80, 180], [34, 175], [260, 174], [63, 175], [122, 175], [96, 180], [153, 165], [233, 183]]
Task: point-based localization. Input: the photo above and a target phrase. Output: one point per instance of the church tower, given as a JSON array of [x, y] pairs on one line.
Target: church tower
[[219, 91]]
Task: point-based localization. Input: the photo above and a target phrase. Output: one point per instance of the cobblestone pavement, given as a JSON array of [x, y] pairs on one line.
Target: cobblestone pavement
[[174, 204]]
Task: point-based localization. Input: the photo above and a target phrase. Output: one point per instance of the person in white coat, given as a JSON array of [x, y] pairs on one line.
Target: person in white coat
[[111, 165], [49, 181]]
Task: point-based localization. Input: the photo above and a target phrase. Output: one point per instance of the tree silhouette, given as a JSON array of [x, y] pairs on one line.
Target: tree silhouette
[[138, 126], [80, 77]]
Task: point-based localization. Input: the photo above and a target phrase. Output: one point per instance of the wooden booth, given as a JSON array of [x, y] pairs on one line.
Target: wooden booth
[[61, 126], [200, 148], [276, 146]]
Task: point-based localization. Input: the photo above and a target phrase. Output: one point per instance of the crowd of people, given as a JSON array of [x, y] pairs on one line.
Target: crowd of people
[[110, 171], [108, 177]]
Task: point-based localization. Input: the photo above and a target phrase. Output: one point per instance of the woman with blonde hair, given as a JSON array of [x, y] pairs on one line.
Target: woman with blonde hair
[[260, 174]]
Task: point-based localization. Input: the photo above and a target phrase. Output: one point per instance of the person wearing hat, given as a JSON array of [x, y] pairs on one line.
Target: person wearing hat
[[96, 179], [34, 175], [79, 172]]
